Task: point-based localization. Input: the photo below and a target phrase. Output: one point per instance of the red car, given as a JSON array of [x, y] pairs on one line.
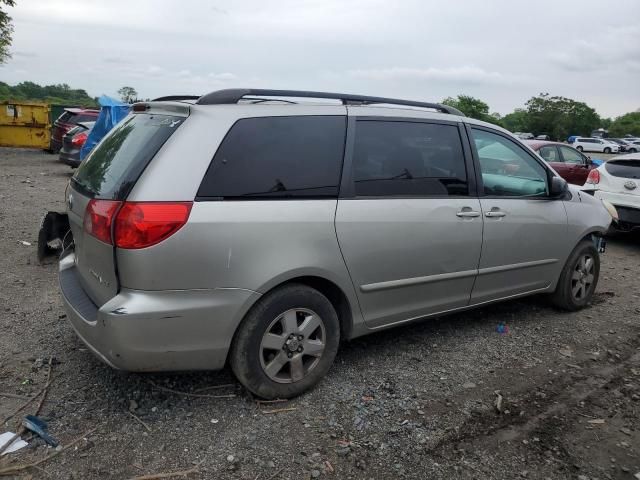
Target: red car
[[571, 164], [68, 120]]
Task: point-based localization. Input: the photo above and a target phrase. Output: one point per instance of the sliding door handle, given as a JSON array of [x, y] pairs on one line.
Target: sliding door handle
[[468, 214], [494, 213]]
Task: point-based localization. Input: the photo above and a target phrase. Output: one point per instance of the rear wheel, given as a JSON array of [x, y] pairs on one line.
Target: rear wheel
[[579, 278], [633, 150], [607, 150], [579, 148], [286, 343]]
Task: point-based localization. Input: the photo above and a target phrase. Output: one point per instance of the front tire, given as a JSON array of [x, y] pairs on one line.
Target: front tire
[[579, 148], [607, 150], [579, 278], [286, 343]]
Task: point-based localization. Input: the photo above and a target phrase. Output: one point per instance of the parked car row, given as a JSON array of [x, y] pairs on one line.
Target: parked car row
[[72, 143], [605, 145], [70, 118]]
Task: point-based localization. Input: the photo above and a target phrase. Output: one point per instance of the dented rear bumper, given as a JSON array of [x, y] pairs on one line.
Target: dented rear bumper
[[148, 331]]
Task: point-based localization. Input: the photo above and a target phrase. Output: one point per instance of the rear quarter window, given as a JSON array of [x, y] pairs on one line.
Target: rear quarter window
[[113, 167], [277, 157]]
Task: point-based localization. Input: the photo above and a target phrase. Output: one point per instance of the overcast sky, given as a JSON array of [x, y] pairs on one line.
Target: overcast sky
[[502, 51]]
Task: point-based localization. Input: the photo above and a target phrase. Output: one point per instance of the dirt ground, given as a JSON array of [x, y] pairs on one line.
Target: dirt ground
[[414, 402]]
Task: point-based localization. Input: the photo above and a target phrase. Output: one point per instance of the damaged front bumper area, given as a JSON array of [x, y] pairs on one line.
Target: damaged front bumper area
[[146, 331]]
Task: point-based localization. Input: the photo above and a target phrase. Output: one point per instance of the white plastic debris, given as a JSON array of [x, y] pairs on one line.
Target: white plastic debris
[[26, 244], [17, 444]]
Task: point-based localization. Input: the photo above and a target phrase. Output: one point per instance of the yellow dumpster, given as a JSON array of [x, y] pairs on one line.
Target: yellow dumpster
[[24, 124]]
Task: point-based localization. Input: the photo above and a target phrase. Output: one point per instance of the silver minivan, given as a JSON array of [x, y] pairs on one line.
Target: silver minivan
[[262, 227]]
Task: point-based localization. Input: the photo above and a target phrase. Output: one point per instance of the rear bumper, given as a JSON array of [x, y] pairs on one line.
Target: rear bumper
[[146, 331], [628, 207], [71, 158]]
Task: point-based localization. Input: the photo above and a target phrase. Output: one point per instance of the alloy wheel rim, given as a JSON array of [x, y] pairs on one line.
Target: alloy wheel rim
[[292, 345], [582, 277]]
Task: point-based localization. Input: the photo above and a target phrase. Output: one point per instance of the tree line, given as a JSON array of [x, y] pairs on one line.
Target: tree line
[[558, 117], [60, 94]]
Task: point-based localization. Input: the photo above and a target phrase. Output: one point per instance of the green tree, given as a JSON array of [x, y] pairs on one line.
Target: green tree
[[516, 121], [128, 94], [470, 106], [57, 94], [6, 31], [560, 117], [629, 123]]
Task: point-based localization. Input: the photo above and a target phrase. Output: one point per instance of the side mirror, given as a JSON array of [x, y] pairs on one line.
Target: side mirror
[[558, 187]]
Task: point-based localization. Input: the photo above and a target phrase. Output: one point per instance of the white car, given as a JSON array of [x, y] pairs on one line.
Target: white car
[[632, 144], [617, 181], [595, 145]]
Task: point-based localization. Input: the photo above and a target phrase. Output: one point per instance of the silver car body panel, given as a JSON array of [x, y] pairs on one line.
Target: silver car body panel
[[409, 257], [177, 305]]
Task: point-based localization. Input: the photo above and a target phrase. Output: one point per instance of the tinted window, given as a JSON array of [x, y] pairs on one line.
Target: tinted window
[[572, 156], [65, 117], [624, 168], [507, 169], [550, 154], [408, 159], [84, 117], [118, 160], [278, 157]]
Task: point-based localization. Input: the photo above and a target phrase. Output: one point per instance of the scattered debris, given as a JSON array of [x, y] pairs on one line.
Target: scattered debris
[[181, 473], [214, 387], [280, 410], [597, 421], [187, 394], [566, 352], [39, 427], [25, 243], [468, 385], [10, 442], [498, 401], [139, 420], [502, 328], [12, 470]]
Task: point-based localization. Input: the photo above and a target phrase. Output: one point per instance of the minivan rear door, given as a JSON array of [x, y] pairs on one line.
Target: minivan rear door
[[105, 178], [408, 221]]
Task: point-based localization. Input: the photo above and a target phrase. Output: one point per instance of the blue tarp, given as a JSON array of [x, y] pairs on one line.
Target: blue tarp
[[111, 112]]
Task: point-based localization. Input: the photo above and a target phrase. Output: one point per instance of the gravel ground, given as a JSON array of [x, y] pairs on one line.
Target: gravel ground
[[413, 402]]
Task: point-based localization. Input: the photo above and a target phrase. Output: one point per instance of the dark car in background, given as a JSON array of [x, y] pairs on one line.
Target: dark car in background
[[68, 120], [73, 141], [571, 164], [623, 145]]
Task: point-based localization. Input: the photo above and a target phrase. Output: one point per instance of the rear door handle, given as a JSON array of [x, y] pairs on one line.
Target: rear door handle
[[468, 214], [495, 212]]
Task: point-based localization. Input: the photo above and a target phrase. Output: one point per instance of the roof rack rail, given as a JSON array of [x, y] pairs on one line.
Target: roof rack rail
[[233, 95], [169, 98]]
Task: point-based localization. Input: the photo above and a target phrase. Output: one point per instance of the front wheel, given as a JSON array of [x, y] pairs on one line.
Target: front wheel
[[286, 343], [579, 278], [579, 148], [607, 150], [633, 150]]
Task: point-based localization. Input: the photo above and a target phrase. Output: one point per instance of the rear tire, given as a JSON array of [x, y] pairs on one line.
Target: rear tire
[[607, 150], [578, 279], [579, 148], [286, 343], [633, 150]]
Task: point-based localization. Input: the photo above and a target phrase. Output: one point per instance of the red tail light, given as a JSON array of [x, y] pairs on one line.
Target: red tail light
[[594, 177], [143, 224], [79, 139], [98, 218]]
